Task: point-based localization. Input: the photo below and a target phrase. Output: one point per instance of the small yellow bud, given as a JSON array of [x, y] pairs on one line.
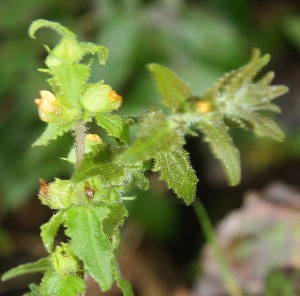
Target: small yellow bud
[[94, 138], [203, 107], [46, 104], [114, 97]]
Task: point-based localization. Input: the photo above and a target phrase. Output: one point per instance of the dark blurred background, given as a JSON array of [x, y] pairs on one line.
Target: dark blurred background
[[197, 39]]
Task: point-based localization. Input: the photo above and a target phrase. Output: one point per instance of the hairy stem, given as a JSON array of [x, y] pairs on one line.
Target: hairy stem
[[225, 272], [79, 133]]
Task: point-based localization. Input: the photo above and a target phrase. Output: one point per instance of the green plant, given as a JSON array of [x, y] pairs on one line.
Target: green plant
[[90, 206]]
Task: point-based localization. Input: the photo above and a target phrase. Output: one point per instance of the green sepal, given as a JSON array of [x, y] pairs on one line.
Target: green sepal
[[51, 132], [49, 230], [97, 98], [55, 284], [39, 24], [115, 125], [86, 225], [221, 145], [176, 170], [98, 163], [173, 90], [155, 135], [68, 82], [63, 194], [40, 266], [64, 261]]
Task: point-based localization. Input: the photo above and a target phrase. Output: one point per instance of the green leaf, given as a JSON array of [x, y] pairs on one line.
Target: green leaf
[[68, 83], [116, 217], [177, 171], [115, 125], [51, 132], [34, 290], [41, 266], [49, 230], [174, 91], [70, 285], [263, 126], [98, 163], [155, 135], [223, 148], [123, 284], [39, 24], [99, 50], [135, 178], [90, 243]]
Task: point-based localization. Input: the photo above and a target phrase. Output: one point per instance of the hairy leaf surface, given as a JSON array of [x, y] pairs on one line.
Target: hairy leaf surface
[[98, 163], [155, 135], [90, 243], [39, 266], [69, 82], [174, 91], [64, 285], [223, 148], [177, 171], [51, 132], [115, 125], [39, 24], [49, 230]]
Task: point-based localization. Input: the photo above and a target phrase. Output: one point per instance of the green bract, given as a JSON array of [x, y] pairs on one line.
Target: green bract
[[89, 206]]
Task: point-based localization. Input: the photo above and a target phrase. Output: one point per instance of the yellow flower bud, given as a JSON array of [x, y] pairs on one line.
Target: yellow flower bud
[[114, 97], [203, 107], [93, 138], [46, 104]]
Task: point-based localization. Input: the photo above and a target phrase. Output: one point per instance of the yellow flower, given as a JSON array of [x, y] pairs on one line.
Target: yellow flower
[[203, 106], [93, 138], [114, 97], [46, 104]]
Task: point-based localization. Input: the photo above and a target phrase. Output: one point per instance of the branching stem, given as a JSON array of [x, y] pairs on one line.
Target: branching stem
[[79, 134]]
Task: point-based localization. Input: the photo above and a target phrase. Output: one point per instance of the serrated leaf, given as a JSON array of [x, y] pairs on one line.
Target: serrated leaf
[[122, 283], [41, 266], [70, 285], [90, 243], [155, 136], [135, 178], [39, 24], [68, 82], [118, 212], [98, 163], [99, 50], [223, 148], [49, 230], [264, 126], [115, 125], [174, 91], [51, 132], [176, 170]]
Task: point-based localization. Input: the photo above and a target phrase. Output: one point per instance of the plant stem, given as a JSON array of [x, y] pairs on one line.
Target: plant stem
[[79, 133], [226, 274]]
